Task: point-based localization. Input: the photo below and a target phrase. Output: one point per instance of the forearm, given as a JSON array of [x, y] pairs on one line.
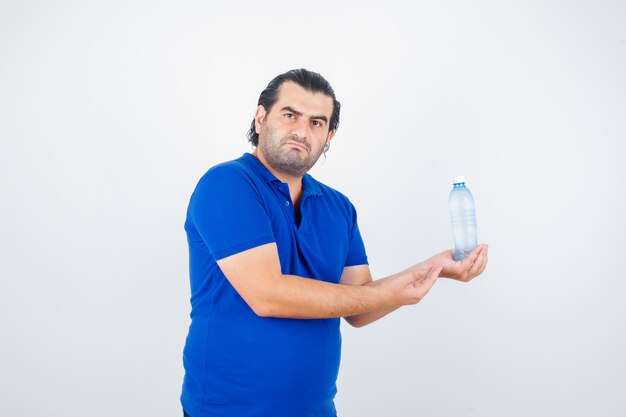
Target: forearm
[[256, 276], [303, 298], [360, 320]]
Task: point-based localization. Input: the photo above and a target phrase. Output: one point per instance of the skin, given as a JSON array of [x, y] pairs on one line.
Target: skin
[[292, 136], [295, 132]]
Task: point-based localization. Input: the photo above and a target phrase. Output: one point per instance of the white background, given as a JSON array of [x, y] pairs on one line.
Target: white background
[[111, 111]]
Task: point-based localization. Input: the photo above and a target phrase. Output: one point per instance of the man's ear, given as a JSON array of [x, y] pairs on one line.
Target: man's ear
[[259, 118], [331, 135]]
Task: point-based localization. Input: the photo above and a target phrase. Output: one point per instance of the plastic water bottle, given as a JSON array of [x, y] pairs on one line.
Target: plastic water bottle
[[462, 219]]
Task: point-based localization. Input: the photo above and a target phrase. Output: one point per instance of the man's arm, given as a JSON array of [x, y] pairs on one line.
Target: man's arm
[[256, 276], [361, 275], [465, 270]]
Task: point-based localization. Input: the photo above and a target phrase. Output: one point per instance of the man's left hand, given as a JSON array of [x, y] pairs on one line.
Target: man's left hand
[[467, 269]]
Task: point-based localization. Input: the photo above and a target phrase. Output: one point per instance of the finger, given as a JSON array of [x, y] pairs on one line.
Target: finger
[[480, 264], [434, 272], [485, 259], [475, 269], [467, 263], [423, 274], [430, 276], [465, 267], [472, 269], [424, 285]]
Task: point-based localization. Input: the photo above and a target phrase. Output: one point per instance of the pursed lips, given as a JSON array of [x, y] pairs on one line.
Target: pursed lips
[[298, 144]]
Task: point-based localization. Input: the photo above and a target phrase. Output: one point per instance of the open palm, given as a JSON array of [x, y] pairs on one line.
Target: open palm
[[467, 269]]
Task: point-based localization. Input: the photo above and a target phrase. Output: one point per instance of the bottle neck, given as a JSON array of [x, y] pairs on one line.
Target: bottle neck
[[459, 185]]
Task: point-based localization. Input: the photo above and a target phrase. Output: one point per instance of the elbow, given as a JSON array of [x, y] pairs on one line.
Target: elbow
[[263, 308], [263, 312], [266, 303], [354, 321], [259, 309]]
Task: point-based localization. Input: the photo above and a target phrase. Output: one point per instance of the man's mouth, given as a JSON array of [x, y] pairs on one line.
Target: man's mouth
[[298, 144]]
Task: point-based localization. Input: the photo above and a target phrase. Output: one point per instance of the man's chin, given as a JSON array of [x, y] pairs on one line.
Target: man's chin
[[295, 168]]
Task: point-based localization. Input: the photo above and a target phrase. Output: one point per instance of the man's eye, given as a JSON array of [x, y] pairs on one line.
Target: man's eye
[[289, 115], [316, 123]]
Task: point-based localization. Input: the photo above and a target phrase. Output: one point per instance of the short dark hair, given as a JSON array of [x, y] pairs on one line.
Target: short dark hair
[[310, 81]]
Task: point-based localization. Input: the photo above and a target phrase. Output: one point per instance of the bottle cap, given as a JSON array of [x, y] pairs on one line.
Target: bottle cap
[[459, 180]]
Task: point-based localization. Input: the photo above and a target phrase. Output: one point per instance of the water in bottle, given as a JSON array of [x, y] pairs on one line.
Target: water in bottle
[[463, 219]]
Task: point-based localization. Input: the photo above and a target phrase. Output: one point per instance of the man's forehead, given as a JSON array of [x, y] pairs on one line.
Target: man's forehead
[[292, 94]]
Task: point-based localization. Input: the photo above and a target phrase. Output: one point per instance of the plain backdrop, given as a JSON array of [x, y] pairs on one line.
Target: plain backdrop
[[111, 111]]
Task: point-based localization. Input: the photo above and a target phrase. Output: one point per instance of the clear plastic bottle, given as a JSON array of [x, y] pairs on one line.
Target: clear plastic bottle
[[462, 219]]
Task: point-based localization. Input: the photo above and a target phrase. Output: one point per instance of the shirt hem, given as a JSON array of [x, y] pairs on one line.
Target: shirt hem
[[242, 247]]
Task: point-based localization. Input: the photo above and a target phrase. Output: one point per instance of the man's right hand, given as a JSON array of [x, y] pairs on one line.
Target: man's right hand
[[410, 286]]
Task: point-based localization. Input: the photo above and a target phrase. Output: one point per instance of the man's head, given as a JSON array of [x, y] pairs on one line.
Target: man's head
[[308, 80]]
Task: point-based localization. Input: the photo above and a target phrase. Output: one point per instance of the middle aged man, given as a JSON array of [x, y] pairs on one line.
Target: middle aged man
[[276, 258]]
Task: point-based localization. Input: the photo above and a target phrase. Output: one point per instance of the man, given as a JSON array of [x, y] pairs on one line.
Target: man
[[276, 259]]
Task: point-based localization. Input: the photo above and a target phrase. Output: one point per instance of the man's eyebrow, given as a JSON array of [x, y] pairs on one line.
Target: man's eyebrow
[[299, 113]]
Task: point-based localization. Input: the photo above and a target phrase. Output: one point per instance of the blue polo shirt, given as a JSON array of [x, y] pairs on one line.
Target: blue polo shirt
[[240, 364]]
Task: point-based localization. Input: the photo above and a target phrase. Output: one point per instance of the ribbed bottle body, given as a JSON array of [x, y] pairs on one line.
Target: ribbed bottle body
[[462, 220]]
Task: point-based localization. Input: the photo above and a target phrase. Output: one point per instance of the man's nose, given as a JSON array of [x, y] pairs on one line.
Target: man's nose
[[300, 128]]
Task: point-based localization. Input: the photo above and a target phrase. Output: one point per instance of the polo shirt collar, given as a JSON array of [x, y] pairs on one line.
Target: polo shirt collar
[[259, 168], [309, 185]]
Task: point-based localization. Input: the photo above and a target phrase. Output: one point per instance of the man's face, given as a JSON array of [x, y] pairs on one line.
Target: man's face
[[293, 134]]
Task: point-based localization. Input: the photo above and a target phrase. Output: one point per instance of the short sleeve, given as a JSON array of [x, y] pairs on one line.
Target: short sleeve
[[356, 247], [228, 213]]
